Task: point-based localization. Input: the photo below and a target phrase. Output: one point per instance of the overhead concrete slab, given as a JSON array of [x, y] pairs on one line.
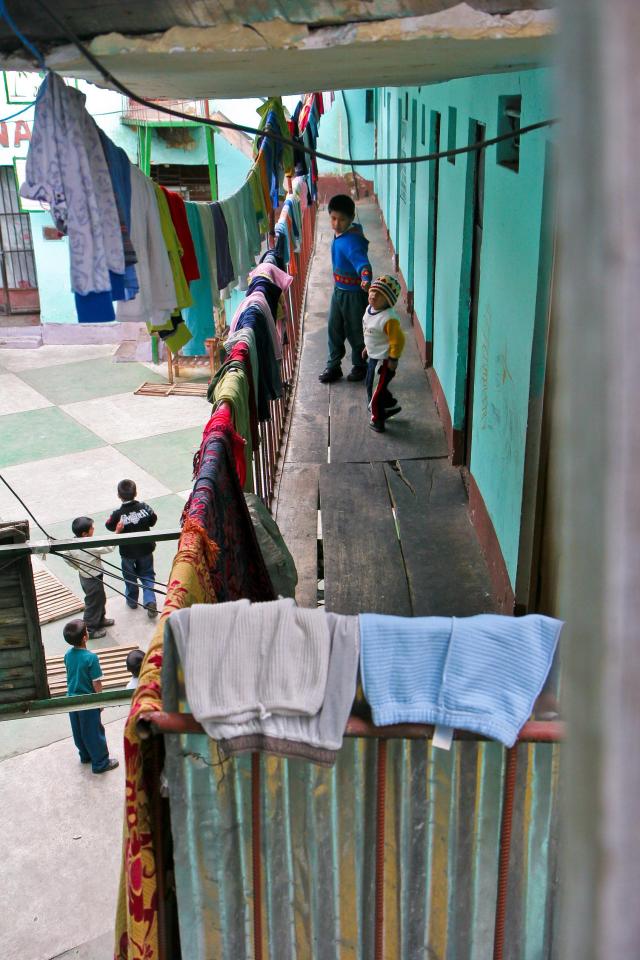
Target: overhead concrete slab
[[279, 56]]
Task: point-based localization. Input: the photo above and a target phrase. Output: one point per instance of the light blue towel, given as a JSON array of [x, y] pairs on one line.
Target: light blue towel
[[480, 673]]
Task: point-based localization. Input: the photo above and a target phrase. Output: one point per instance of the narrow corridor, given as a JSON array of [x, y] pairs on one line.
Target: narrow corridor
[[394, 535]]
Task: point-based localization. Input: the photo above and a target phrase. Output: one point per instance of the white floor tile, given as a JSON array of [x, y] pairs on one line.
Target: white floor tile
[[130, 417], [16, 396], [53, 355], [60, 488]]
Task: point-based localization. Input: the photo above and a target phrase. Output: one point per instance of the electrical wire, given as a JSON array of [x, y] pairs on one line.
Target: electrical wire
[[268, 133], [17, 113], [31, 47], [80, 549]]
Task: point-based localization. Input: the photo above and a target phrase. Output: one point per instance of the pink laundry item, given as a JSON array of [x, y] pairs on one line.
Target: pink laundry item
[[273, 273], [258, 299], [221, 421]]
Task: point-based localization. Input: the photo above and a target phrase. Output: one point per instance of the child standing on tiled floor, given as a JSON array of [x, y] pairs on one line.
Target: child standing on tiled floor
[[88, 563], [135, 516], [84, 675], [383, 346]]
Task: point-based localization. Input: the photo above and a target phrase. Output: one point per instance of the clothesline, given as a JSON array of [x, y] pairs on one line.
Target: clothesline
[[165, 261]]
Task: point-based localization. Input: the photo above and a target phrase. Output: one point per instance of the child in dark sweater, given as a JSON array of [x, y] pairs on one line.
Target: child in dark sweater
[[136, 560], [352, 277]]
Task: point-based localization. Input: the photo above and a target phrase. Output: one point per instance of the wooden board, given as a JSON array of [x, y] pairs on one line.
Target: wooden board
[[415, 433], [446, 570], [363, 566], [185, 389], [22, 664], [309, 433], [296, 513], [115, 675], [55, 600]]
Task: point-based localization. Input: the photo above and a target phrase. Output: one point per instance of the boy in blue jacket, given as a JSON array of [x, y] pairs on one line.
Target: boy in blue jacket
[[352, 278]]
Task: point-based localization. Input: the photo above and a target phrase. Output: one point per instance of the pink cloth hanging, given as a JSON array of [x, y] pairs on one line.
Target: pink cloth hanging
[[273, 273], [258, 299]]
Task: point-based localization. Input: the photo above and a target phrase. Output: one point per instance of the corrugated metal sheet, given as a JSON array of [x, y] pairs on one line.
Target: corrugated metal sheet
[[443, 816]]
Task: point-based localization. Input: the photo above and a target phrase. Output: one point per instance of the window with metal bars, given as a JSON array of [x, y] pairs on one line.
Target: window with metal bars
[[17, 262], [509, 115]]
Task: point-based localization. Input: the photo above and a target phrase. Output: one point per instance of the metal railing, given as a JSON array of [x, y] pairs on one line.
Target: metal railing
[[533, 732], [272, 431]]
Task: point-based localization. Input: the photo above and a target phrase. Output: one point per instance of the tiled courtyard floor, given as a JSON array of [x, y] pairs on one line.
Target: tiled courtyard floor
[[70, 429]]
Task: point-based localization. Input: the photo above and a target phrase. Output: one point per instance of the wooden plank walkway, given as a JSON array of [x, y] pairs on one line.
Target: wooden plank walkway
[[395, 531]]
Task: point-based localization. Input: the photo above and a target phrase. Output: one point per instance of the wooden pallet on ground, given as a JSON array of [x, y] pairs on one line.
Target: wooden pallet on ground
[[115, 675], [55, 600], [185, 389]]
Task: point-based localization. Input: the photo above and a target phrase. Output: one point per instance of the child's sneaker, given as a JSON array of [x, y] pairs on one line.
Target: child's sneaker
[[377, 425], [111, 765], [152, 610], [330, 375], [392, 411]]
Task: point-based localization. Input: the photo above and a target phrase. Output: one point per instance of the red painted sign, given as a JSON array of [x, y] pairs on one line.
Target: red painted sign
[[22, 132]]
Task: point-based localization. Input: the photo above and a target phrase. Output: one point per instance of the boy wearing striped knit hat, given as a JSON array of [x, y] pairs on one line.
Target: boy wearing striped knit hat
[[383, 346]]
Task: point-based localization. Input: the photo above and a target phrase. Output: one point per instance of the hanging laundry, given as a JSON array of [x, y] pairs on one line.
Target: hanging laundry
[[66, 168], [271, 272], [209, 236], [221, 422], [156, 299], [232, 387], [269, 377], [258, 198], [479, 673], [264, 171], [178, 335], [199, 316], [280, 563], [317, 737], [241, 353], [272, 115], [178, 214], [217, 503], [242, 255], [174, 249], [253, 236], [258, 299], [224, 263], [247, 660], [120, 172], [246, 336]]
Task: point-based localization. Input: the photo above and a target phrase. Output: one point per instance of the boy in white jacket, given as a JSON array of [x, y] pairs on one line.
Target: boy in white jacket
[[383, 346], [88, 563]]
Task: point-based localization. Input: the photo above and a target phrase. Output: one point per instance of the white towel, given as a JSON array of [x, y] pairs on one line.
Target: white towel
[[244, 660]]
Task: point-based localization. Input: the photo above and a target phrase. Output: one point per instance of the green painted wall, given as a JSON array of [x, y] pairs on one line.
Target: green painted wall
[[509, 284]]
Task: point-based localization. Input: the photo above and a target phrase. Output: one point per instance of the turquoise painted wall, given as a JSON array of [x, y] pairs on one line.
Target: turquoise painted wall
[[508, 267], [334, 133]]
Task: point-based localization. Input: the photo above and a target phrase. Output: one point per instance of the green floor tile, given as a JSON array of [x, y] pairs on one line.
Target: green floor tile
[[88, 379], [38, 434], [168, 457]]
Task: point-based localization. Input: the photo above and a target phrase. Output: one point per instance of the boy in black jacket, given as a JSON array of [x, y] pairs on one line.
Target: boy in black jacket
[[136, 559]]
